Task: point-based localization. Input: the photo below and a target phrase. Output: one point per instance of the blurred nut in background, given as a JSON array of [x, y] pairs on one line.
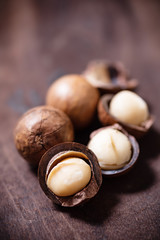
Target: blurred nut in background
[[76, 97], [109, 77]]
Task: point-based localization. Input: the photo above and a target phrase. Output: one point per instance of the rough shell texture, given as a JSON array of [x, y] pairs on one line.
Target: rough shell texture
[[109, 77], [71, 149], [107, 119], [76, 97], [39, 129], [134, 157]]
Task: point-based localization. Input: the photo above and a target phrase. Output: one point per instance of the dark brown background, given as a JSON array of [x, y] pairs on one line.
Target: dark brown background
[[40, 41]]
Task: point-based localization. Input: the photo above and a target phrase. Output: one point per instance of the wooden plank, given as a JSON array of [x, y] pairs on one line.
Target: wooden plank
[[40, 41]]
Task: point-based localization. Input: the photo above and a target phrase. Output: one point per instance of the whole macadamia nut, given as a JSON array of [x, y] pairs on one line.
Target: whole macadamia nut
[[39, 129], [76, 97], [129, 108]]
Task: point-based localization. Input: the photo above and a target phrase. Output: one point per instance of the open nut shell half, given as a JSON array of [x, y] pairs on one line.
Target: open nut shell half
[[58, 153], [109, 77]]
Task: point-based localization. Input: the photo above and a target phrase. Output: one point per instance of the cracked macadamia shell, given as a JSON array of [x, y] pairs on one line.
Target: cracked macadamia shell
[[39, 129], [106, 118], [116, 150], [76, 97], [58, 155]]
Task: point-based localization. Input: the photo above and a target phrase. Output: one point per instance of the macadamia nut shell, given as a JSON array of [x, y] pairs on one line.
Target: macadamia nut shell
[[55, 155], [39, 129], [107, 119]]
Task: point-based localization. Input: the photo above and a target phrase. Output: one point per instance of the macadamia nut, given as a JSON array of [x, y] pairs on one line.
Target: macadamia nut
[[39, 129], [112, 148], [73, 95], [129, 108], [69, 176]]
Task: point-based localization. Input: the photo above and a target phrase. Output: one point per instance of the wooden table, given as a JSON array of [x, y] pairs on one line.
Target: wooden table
[[40, 41]]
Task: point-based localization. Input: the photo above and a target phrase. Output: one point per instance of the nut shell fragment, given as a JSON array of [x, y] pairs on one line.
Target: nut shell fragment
[[58, 153]]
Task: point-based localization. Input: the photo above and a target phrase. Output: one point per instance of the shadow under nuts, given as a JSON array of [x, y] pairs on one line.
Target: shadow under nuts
[[39, 129], [76, 97], [69, 174]]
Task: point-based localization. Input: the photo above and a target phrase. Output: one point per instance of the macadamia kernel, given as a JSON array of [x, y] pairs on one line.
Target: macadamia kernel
[[69, 177], [112, 148], [129, 108]]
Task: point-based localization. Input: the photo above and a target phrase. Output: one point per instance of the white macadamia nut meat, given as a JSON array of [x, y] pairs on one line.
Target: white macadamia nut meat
[[129, 108], [112, 148], [69, 176]]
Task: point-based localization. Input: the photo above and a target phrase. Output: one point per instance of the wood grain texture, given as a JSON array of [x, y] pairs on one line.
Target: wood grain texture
[[39, 42]]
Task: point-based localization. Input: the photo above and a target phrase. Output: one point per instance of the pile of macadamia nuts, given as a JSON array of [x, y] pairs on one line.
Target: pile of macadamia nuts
[[70, 173]]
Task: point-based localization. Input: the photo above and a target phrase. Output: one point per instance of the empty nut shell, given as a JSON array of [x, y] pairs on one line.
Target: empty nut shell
[[59, 153], [109, 77], [107, 119]]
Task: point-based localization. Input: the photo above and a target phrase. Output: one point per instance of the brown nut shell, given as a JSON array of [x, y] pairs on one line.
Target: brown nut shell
[[107, 119], [39, 129], [56, 154], [135, 153], [109, 77], [76, 97]]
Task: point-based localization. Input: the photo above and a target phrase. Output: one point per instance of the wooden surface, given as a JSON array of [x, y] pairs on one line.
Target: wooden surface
[[40, 41]]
